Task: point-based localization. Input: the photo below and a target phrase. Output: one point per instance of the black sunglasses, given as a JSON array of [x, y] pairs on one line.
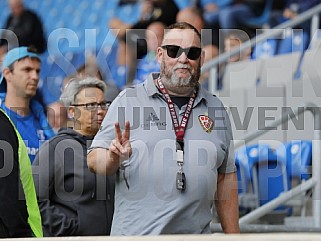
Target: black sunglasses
[[175, 51]]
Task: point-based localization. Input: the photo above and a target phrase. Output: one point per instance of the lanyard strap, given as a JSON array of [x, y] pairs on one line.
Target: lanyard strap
[[179, 128]]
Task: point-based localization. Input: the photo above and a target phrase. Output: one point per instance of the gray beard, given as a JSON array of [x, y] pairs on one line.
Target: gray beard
[[176, 84]]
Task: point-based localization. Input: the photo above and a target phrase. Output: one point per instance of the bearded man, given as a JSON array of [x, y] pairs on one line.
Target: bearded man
[[168, 142]]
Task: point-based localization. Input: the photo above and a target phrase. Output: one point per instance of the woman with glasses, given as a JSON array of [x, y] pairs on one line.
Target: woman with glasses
[[72, 200]]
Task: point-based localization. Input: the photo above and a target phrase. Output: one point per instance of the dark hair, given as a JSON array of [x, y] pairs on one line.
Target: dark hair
[[32, 49], [183, 25]]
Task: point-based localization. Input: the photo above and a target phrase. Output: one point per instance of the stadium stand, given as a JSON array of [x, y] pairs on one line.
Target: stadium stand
[[246, 157], [250, 87], [295, 40], [263, 176], [287, 79], [72, 36], [297, 155], [265, 49], [71, 30]]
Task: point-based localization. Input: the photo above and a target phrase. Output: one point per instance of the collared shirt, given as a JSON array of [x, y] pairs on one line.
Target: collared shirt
[[147, 201]]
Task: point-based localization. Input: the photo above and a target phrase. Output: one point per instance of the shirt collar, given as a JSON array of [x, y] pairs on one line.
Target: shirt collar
[[150, 86]]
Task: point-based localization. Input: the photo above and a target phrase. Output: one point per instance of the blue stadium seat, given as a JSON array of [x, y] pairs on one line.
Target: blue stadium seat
[[269, 177], [263, 176], [78, 59], [129, 13], [71, 16], [48, 3], [4, 13], [56, 68], [295, 41], [46, 63], [270, 180], [245, 158], [111, 71], [97, 5], [297, 155], [34, 4], [265, 49]]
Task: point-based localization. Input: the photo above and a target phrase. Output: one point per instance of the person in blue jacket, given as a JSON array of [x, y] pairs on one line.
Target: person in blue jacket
[[19, 80]]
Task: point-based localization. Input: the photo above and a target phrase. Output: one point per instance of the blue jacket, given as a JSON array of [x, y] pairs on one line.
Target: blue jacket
[[40, 115]]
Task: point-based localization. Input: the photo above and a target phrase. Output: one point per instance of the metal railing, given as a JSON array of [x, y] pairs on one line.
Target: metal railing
[[314, 182]]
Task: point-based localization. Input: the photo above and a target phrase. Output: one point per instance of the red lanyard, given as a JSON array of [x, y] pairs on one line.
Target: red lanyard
[[179, 128]]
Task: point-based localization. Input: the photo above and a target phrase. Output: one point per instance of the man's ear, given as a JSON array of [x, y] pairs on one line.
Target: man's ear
[[7, 73], [159, 54], [71, 112]]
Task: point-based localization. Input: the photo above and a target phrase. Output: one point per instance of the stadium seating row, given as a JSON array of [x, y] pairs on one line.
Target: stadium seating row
[[264, 173], [77, 16]]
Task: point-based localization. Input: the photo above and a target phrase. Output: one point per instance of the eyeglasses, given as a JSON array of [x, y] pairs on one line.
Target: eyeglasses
[[94, 105], [175, 51]]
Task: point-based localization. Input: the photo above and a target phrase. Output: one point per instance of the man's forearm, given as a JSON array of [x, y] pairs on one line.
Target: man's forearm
[[227, 202], [99, 161]]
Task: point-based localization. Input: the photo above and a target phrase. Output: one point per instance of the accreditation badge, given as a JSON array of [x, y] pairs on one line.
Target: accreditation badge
[[206, 123]]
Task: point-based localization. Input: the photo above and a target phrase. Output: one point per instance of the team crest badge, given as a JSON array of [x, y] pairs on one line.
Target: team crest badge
[[206, 122]]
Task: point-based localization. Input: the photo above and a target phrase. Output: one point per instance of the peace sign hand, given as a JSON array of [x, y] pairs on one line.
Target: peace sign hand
[[120, 148]]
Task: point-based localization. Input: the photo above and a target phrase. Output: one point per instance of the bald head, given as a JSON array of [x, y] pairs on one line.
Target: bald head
[[210, 52], [178, 27], [191, 16], [154, 35]]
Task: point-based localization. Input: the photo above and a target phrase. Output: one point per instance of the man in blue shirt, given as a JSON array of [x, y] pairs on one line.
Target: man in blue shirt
[[20, 77]]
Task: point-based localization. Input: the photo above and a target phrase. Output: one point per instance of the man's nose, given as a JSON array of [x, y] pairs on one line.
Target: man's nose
[[183, 58], [35, 74]]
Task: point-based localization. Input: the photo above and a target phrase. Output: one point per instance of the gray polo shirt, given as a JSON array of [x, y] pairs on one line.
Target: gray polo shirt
[[146, 198]]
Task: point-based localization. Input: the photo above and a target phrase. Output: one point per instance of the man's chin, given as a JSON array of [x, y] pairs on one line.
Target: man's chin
[[186, 82], [30, 94]]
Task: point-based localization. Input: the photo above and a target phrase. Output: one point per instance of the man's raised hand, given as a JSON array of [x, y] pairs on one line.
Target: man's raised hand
[[120, 148]]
